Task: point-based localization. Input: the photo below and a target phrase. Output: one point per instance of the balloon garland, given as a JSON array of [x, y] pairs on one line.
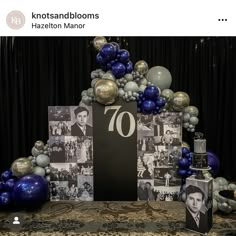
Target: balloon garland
[[26, 183], [149, 87]]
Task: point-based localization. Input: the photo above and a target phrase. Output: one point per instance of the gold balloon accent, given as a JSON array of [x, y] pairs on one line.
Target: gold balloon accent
[[141, 67], [39, 145], [21, 166], [185, 144], [98, 42], [105, 91], [180, 100]]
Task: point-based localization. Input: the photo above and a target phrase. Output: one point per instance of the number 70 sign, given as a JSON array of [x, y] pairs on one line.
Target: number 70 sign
[[116, 121]]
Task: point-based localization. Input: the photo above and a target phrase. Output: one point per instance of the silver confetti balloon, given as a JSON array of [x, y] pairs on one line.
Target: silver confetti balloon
[[141, 67], [105, 91], [98, 42], [21, 166]]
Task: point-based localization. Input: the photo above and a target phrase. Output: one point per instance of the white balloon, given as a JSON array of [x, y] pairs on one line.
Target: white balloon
[[160, 77], [39, 171]]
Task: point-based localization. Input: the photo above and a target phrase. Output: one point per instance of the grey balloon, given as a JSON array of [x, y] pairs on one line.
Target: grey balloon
[[142, 88], [109, 75], [39, 171], [90, 92], [42, 160], [193, 120], [192, 110], [35, 152], [160, 77], [215, 206], [131, 86], [93, 82], [186, 117], [129, 77]]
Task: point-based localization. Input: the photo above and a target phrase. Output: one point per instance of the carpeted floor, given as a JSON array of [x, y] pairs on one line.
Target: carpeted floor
[[110, 218]]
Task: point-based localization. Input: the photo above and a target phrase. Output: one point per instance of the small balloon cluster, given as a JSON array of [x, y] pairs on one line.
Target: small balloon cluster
[[111, 57], [24, 184], [40, 159], [190, 119], [149, 101], [184, 163]]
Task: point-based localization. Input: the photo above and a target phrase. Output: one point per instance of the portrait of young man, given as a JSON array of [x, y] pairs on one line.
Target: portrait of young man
[[196, 220], [80, 127]]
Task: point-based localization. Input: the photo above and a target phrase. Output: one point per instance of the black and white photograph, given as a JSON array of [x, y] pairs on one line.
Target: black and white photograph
[[145, 190], [59, 113], [198, 205], [60, 172], [85, 188], [85, 169], [166, 176], [59, 128], [146, 144], [145, 165], [59, 190], [81, 121], [57, 149], [84, 150], [145, 125]]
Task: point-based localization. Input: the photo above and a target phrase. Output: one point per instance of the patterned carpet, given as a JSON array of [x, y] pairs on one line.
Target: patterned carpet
[[110, 218]]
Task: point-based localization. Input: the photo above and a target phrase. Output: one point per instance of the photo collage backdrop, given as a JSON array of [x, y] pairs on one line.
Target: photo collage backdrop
[[71, 152], [159, 148]]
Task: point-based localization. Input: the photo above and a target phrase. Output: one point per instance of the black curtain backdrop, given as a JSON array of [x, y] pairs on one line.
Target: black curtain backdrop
[[42, 71]]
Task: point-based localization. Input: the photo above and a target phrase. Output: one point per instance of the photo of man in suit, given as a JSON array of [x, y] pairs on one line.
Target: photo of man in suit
[[195, 219], [80, 127]]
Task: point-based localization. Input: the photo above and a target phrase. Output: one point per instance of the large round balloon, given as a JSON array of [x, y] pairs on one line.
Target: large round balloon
[[30, 190], [105, 91], [141, 67], [42, 160], [180, 100], [160, 77], [148, 106], [214, 163], [108, 51], [151, 92], [98, 42], [21, 166], [118, 69]]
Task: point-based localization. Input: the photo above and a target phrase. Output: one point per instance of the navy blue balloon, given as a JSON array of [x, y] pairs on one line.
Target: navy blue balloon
[[189, 172], [30, 191], [185, 151], [214, 163], [10, 184], [160, 102], [108, 52], [151, 92], [2, 186], [129, 67], [6, 175], [116, 45], [118, 70], [148, 106], [5, 199], [182, 173], [183, 163], [100, 60], [124, 56]]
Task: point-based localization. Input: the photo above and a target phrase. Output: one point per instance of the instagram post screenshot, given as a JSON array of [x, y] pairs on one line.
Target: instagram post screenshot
[[117, 118]]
